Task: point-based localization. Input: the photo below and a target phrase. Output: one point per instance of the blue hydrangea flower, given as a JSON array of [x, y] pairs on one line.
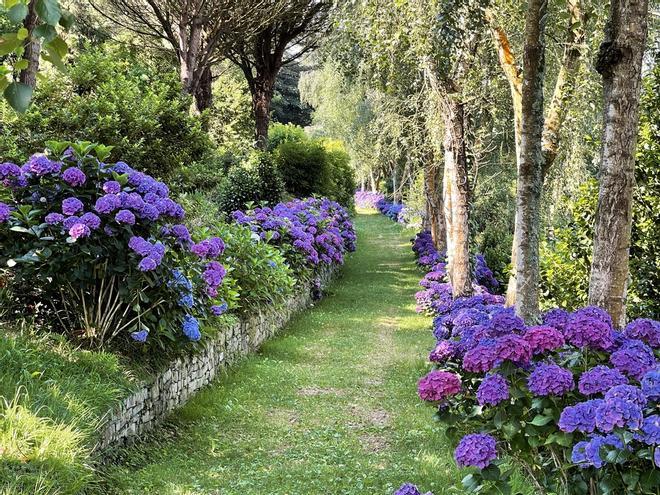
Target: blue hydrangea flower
[[618, 412], [140, 336], [190, 328]]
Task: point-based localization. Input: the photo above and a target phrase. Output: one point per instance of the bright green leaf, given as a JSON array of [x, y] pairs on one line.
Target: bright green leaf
[[18, 95], [49, 11]]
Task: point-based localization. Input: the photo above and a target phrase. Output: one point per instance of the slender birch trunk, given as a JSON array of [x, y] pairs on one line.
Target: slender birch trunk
[[620, 64], [530, 169]]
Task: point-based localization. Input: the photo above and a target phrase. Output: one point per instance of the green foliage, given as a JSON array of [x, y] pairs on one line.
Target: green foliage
[[111, 95], [286, 106], [271, 184], [255, 180], [566, 256], [261, 272], [280, 133], [342, 177], [50, 18], [304, 167]]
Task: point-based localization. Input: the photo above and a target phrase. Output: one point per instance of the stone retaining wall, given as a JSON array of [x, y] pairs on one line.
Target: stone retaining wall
[[172, 388]]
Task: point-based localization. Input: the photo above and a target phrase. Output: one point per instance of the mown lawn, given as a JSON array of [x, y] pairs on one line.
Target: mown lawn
[[329, 407]]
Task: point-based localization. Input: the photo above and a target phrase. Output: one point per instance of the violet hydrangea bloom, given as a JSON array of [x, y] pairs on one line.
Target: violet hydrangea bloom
[[69, 222], [504, 323], [543, 338], [550, 379], [107, 204], [580, 417], [54, 218], [438, 385], [634, 358], [74, 176], [600, 379], [618, 412], [40, 165], [140, 336], [219, 309], [493, 390], [627, 393], [481, 358], [644, 329], [650, 430], [513, 348], [556, 318], [5, 212], [444, 350], [583, 330], [125, 217], [651, 384], [71, 206], [476, 449], [91, 220], [587, 453], [111, 187]]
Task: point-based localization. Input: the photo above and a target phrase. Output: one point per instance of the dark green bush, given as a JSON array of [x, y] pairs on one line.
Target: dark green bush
[[238, 188], [271, 184], [304, 167], [111, 95], [342, 177], [254, 180]]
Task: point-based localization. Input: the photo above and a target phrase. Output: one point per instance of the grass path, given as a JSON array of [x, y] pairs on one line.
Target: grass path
[[328, 407]]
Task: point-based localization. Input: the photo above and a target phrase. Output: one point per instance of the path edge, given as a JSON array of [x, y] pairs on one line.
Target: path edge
[[155, 399]]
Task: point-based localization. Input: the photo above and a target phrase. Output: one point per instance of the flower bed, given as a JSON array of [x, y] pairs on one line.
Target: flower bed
[[104, 250], [367, 199], [572, 401]]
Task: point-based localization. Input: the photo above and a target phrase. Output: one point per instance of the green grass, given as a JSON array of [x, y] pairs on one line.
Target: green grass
[[52, 397], [330, 406]]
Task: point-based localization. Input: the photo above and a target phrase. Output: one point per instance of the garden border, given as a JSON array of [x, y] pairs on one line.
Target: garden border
[[171, 388]]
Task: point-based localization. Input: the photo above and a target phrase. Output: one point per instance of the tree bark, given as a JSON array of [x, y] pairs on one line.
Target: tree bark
[[262, 90], [372, 181], [434, 207], [563, 91], [32, 48], [620, 64], [204, 90], [455, 195], [530, 169]]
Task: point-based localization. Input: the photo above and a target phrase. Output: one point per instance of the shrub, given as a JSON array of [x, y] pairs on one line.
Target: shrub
[[304, 167], [367, 199], [310, 232], [572, 401], [111, 95], [263, 277], [255, 180], [342, 176], [284, 133], [104, 247]]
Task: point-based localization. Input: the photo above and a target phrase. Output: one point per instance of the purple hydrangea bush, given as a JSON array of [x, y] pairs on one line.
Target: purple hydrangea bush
[[367, 199], [311, 232], [573, 400], [105, 248]]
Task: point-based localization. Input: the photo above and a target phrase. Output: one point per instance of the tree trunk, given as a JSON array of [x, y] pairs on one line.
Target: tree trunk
[[32, 48], [455, 194], [434, 207], [563, 91], [530, 170], [262, 95], [372, 181], [620, 63], [204, 90]]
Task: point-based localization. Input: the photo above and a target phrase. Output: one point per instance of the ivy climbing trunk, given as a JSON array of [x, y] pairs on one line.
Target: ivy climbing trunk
[[620, 64], [530, 168], [455, 195]]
